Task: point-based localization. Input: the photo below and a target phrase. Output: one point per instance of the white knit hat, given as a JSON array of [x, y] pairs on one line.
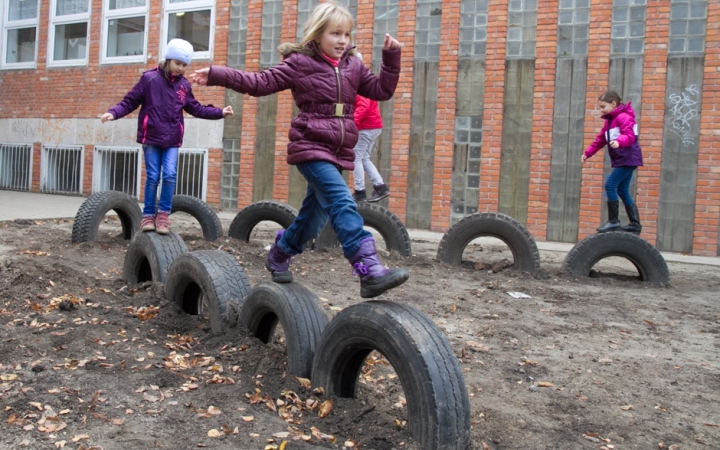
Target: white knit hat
[[179, 50]]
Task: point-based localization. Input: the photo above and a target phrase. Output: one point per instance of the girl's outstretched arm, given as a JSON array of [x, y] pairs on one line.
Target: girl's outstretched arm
[[269, 81], [130, 103], [382, 87]]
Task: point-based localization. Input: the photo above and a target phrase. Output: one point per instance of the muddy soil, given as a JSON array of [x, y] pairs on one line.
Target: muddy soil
[[92, 362]]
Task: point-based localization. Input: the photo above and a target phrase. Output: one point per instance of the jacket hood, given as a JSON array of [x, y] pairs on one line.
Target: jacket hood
[[623, 108], [311, 49]]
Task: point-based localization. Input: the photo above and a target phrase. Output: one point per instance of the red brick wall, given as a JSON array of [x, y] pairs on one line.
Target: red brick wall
[[591, 195], [707, 202], [543, 109], [402, 110], [445, 119], [493, 113]]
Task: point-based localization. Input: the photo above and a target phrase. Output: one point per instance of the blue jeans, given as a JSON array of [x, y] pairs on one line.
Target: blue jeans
[[155, 159], [328, 196], [618, 185]]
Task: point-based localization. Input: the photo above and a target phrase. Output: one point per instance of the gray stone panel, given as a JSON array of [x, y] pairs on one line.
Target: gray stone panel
[[422, 145], [567, 148], [678, 172], [265, 148], [517, 138]]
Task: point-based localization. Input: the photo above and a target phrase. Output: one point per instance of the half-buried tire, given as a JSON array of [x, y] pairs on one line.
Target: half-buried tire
[[525, 253], [648, 261], [437, 400], [202, 212], [92, 212], [208, 283], [150, 254], [298, 311], [266, 210], [382, 220]]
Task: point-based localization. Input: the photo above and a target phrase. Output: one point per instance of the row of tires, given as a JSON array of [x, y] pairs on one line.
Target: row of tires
[[648, 261], [331, 353]]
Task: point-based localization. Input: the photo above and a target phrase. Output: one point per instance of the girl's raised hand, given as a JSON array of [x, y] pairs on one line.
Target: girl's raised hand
[[105, 117], [584, 158], [390, 43], [227, 111], [201, 76]]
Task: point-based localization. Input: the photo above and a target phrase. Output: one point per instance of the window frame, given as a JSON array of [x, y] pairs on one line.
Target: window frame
[[188, 6], [67, 20], [125, 13], [18, 24]]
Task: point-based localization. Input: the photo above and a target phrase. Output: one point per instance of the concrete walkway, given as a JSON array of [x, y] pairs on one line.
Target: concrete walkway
[[30, 205]]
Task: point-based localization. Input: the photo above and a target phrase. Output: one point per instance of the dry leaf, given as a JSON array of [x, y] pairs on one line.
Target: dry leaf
[[60, 444], [214, 410], [283, 445], [626, 407], [8, 377], [247, 418], [80, 437], [304, 382], [118, 421], [214, 433], [544, 384], [325, 408], [281, 435]]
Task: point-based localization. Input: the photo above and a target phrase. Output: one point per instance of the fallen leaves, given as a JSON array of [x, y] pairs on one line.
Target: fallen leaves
[[143, 313], [325, 408]]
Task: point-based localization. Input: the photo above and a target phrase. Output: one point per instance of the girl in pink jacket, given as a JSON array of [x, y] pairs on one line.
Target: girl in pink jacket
[[621, 137]]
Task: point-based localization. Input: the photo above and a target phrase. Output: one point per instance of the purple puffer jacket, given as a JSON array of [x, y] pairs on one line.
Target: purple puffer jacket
[[319, 89], [620, 126], [163, 98]]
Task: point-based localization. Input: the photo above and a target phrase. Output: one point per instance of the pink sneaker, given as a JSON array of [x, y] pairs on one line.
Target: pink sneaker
[[162, 223], [148, 223]]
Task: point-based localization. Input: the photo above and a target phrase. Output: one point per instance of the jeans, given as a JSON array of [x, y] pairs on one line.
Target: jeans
[[155, 159], [618, 185], [328, 196], [363, 149]]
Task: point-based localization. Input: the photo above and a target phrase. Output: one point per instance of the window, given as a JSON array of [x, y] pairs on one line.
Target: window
[[124, 31], [192, 20], [69, 24], [20, 30]]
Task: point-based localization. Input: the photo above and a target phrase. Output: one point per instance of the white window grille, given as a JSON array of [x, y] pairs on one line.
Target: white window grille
[[192, 20], [117, 169], [20, 30], [61, 170], [68, 32], [16, 166], [124, 31], [192, 173]]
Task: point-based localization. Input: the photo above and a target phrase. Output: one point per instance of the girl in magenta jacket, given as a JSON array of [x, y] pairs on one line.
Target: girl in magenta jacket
[[620, 135], [324, 77]]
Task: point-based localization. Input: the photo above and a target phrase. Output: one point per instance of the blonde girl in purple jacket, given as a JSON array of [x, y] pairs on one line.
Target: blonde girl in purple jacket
[[621, 137], [324, 76]]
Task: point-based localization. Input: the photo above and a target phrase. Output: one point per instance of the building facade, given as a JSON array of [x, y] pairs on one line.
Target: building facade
[[496, 102]]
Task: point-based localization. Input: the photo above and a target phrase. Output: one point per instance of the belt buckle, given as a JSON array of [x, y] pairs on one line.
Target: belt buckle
[[339, 109]]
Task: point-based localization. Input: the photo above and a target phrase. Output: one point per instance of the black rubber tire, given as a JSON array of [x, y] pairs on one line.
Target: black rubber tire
[[93, 210], [382, 220], [648, 261], [298, 311], [150, 254], [248, 217], [437, 402], [208, 279], [526, 256], [202, 212]]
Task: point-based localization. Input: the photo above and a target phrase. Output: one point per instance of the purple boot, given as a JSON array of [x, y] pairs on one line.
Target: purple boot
[[374, 277], [278, 262]]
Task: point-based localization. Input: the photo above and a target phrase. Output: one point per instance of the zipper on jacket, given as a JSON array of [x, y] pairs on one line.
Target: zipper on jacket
[[341, 118]]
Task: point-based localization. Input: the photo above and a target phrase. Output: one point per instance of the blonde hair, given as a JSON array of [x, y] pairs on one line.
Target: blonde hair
[[328, 14]]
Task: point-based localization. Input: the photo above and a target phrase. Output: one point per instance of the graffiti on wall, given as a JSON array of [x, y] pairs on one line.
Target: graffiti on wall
[[683, 110], [23, 127]]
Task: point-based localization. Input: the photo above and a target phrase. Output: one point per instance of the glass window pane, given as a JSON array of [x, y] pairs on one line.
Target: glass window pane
[[677, 45], [696, 44], [193, 26], [21, 45], [67, 7], [678, 28], [637, 30], [22, 10], [70, 41], [122, 4], [678, 11], [620, 14], [126, 36], [636, 46], [697, 10], [582, 16]]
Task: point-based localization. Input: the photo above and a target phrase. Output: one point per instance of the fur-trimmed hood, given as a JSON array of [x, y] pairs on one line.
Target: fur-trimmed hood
[[310, 49]]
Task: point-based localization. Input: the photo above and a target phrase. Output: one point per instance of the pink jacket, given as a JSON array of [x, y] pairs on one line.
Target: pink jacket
[[619, 126], [367, 114], [325, 129]]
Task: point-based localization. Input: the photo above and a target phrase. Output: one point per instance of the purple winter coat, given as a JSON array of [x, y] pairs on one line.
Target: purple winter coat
[[620, 126], [317, 134], [163, 98]]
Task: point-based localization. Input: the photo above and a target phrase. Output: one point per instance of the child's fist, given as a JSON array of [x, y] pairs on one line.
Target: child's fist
[[614, 144], [105, 117], [200, 76], [584, 158], [227, 111], [390, 43]]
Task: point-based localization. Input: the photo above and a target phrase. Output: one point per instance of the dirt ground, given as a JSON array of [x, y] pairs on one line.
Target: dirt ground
[[91, 362]]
